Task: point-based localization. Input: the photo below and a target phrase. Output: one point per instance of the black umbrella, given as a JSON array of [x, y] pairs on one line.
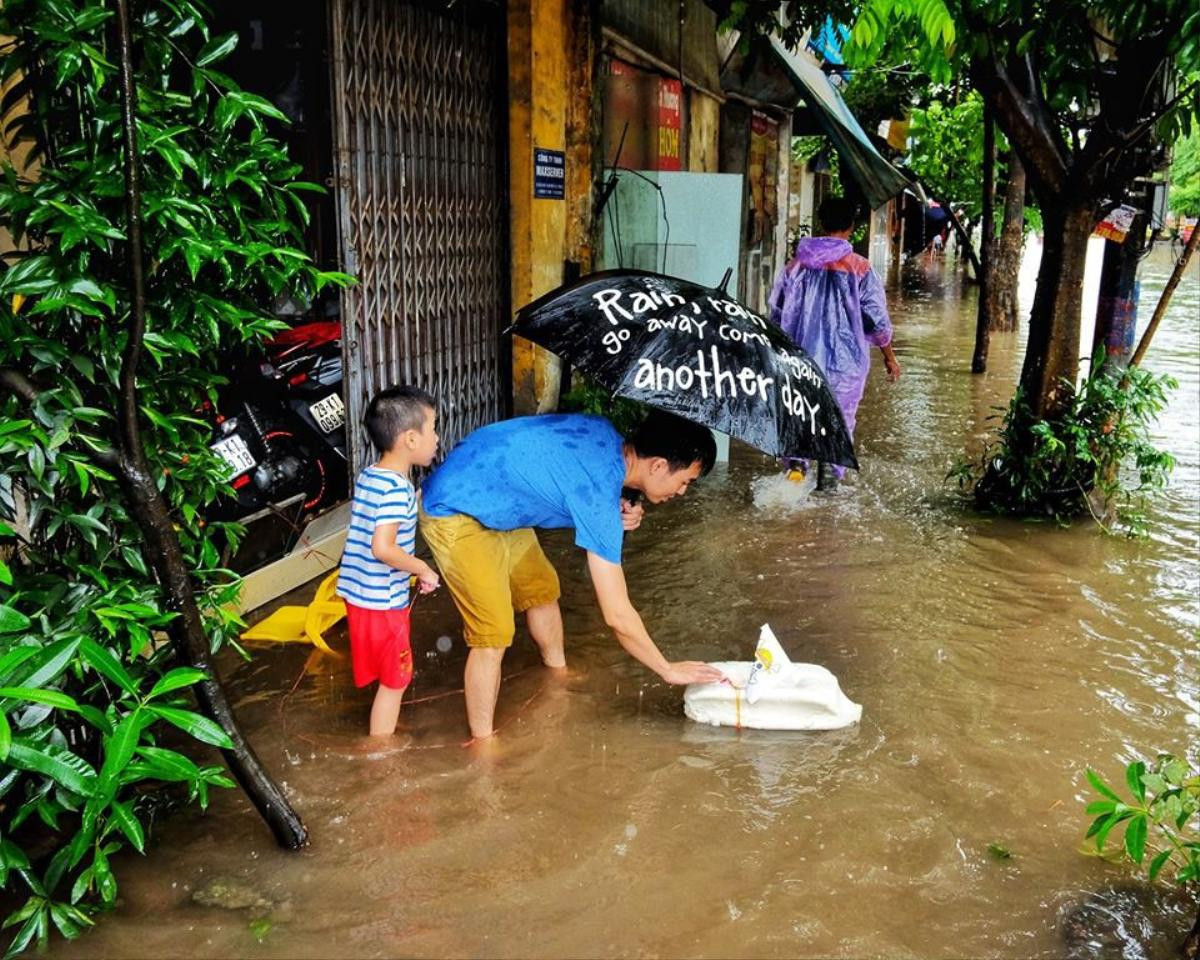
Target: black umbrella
[[695, 352]]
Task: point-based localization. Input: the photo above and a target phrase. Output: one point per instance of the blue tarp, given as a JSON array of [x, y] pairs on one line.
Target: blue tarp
[[827, 43]]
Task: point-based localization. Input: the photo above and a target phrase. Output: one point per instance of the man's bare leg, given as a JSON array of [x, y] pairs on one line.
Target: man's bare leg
[[481, 685], [546, 628]]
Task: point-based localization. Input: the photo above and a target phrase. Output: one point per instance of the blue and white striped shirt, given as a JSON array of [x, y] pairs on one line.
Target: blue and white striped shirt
[[380, 496]]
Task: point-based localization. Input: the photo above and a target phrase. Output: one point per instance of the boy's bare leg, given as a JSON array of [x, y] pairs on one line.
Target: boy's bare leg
[[481, 686], [385, 711], [546, 628]]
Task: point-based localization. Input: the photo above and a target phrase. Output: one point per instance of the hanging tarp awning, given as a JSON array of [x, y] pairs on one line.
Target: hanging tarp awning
[[878, 179]]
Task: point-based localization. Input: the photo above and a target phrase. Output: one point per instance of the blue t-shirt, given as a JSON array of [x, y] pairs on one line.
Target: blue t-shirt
[[553, 470]]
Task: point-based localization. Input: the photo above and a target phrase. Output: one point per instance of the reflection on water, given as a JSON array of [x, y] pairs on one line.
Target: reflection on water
[[994, 659]]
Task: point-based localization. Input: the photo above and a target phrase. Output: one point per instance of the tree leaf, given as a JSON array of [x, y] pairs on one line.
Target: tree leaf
[[1121, 813], [104, 663], [1133, 777], [61, 765], [14, 658], [12, 621], [198, 726], [118, 751], [70, 921], [52, 698], [50, 662], [1158, 863], [216, 49], [133, 557], [176, 679], [5, 741], [26, 933], [1101, 787], [130, 826], [163, 764], [1135, 838]]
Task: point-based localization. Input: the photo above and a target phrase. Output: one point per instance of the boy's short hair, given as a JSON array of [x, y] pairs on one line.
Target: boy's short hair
[[394, 410], [680, 442], [836, 214]]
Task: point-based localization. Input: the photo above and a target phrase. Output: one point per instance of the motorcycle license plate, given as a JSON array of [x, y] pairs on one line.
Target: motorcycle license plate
[[233, 451], [329, 413]]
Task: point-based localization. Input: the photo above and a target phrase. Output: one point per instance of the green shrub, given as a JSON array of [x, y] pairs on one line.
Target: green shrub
[[1101, 443], [1160, 820], [89, 684]]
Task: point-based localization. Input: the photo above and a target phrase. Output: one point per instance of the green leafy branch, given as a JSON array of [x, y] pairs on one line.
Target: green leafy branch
[[1161, 817]]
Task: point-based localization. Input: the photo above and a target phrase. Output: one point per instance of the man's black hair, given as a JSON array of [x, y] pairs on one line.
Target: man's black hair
[[837, 214], [680, 442], [394, 410]]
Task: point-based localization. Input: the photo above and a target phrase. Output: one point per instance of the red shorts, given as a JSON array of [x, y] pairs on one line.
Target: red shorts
[[379, 646]]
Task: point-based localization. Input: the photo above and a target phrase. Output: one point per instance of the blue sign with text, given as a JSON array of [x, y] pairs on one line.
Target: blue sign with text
[[549, 173]]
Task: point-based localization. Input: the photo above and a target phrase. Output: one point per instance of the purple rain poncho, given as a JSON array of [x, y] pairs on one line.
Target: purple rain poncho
[[831, 303]]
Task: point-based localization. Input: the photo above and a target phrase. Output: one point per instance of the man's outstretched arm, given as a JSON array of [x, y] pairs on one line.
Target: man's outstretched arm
[[624, 621]]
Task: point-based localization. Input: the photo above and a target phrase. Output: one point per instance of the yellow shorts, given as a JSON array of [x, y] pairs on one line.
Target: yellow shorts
[[490, 573]]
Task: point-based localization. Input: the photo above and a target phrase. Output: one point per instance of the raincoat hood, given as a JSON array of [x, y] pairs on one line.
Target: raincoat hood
[[816, 252]]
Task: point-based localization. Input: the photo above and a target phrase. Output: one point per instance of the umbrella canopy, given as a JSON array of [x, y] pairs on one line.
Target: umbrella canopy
[[696, 352]]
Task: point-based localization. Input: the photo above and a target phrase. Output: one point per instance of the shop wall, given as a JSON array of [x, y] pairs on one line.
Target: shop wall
[[704, 128], [783, 166]]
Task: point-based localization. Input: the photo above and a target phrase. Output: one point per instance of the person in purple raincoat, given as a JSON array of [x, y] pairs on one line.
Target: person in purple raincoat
[[831, 303]]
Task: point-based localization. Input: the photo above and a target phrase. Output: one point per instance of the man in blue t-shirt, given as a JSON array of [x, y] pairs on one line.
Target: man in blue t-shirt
[[562, 470]]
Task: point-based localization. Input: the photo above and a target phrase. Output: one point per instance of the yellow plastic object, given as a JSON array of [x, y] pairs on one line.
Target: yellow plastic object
[[304, 624]]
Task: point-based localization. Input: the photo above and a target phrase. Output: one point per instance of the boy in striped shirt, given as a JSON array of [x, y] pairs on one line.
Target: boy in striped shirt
[[378, 562]]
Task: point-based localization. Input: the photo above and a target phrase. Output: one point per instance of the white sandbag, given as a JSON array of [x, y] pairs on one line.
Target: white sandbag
[[788, 696], [770, 663]]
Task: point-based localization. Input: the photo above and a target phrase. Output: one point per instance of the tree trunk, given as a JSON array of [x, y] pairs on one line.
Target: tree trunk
[[1052, 352], [1006, 275], [987, 247], [187, 632], [1116, 309]]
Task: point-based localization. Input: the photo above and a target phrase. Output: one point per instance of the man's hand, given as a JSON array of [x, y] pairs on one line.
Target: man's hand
[[631, 515], [691, 671]]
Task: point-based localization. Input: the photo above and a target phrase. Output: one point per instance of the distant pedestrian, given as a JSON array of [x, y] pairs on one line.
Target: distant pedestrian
[[378, 563], [831, 303]]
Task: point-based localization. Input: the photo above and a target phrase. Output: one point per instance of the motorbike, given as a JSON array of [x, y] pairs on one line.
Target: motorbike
[[281, 428]]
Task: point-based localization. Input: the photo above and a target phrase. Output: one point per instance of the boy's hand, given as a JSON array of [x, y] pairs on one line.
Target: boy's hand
[[893, 368], [428, 580], [631, 515]]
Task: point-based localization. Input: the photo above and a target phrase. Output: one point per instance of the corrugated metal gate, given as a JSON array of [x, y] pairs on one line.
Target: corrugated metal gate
[[419, 112]]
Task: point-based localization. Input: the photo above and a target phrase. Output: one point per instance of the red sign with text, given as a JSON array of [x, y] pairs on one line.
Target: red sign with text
[[648, 108], [670, 103]]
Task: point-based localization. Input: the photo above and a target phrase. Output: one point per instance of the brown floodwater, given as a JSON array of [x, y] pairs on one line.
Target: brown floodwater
[[994, 660]]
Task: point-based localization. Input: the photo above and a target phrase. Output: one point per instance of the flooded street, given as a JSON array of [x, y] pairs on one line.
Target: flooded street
[[994, 660]]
